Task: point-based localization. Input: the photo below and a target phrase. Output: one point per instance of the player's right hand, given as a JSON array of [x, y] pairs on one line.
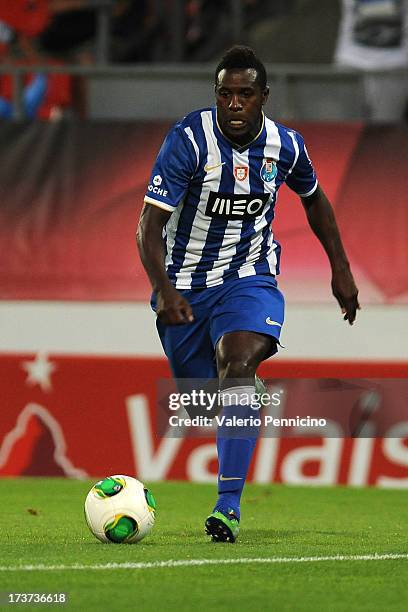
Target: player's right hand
[[172, 307]]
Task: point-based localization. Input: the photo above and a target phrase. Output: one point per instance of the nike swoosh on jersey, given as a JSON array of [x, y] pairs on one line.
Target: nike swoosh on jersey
[[208, 168], [222, 477], [270, 322]]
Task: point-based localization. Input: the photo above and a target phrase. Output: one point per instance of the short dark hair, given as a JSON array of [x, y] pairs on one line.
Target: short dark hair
[[241, 57]]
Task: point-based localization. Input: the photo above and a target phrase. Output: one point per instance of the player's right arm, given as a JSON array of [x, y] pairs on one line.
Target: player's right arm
[[170, 179], [172, 307]]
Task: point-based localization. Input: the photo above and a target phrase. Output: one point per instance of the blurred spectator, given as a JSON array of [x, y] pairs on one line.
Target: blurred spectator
[[44, 97], [26, 17], [71, 33], [21, 23], [374, 36], [256, 11], [208, 24], [136, 31], [303, 31], [207, 28]]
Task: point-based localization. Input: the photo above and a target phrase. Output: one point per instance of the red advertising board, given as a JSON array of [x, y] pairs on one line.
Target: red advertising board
[[69, 233], [91, 416]]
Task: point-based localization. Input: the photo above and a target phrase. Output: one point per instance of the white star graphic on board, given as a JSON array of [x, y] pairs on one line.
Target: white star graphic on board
[[39, 371]]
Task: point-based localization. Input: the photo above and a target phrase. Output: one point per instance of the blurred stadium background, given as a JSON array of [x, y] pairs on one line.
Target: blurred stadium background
[[88, 89]]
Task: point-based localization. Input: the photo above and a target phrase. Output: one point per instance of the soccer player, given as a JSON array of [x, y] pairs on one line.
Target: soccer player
[[206, 243]]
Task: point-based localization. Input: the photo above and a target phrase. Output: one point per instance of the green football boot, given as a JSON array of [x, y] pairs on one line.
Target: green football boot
[[222, 528]]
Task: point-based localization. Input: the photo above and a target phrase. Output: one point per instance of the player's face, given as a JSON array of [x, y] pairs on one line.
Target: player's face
[[239, 101]]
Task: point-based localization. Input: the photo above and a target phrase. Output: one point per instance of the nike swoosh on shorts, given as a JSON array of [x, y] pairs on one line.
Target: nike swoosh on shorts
[[270, 322]]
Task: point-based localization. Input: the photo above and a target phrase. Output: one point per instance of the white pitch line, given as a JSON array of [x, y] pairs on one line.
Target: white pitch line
[[197, 562]]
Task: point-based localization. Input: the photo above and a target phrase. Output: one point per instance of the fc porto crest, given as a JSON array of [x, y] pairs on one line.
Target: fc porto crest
[[269, 170], [240, 172]]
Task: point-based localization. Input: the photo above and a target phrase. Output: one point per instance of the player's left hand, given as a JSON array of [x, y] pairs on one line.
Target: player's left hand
[[346, 293]]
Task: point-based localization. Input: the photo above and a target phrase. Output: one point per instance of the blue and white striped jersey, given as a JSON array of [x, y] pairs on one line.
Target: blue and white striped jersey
[[223, 198]]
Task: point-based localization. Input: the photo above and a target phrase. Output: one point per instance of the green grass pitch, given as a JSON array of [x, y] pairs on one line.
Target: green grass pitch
[[42, 522]]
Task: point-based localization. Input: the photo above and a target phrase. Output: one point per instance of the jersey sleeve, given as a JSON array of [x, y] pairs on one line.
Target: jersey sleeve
[[302, 179], [172, 171]]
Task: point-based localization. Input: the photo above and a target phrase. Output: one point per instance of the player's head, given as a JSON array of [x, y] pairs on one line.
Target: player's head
[[241, 91]]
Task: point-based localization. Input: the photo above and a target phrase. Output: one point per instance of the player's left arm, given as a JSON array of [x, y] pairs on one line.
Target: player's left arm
[[321, 219]]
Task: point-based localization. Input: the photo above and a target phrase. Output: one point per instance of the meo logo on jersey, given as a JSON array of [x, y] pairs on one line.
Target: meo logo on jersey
[[241, 172], [269, 170], [236, 206]]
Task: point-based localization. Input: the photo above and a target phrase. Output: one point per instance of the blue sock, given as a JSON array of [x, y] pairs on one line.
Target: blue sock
[[235, 446]]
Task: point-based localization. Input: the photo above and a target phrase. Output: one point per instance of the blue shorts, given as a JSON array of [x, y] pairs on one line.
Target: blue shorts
[[252, 303]]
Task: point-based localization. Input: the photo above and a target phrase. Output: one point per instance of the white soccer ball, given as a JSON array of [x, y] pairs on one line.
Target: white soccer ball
[[120, 509]]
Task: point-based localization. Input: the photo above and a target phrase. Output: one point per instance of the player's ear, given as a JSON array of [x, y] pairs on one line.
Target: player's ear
[[265, 95]]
